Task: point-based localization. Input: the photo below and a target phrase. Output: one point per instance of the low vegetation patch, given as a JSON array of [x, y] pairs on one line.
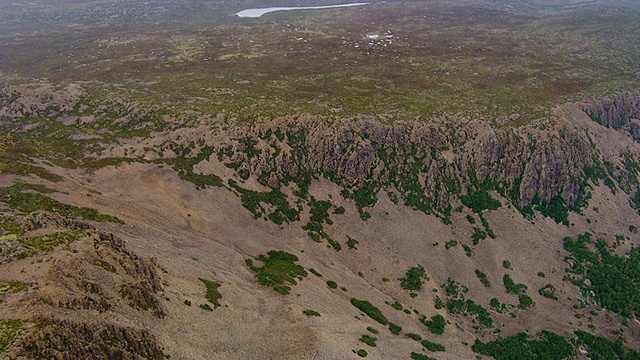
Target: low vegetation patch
[[212, 294], [611, 280], [524, 300], [369, 340], [310, 312], [435, 325], [548, 291], [27, 198], [522, 346], [13, 286], [432, 346], [457, 304], [369, 309], [483, 278], [418, 356], [9, 331], [414, 278], [279, 268], [395, 329]]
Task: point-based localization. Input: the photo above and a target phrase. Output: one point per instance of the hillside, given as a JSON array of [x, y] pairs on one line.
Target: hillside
[[183, 213]]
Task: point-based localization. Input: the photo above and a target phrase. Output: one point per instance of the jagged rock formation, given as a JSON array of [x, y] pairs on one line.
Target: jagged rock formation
[[429, 164]]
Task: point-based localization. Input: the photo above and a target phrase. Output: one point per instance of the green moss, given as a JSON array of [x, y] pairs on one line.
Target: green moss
[[28, 198], [9, 331], [279, 267], [13, 286], [212, 294], [46, 243]]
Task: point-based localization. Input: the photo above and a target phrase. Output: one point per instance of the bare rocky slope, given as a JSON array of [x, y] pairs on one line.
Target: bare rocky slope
[[129, 233]]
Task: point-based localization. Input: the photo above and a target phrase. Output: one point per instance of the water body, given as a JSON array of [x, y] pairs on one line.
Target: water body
[[254, 13]]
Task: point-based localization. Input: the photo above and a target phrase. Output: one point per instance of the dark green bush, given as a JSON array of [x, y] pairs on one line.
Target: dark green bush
[[369, 340], [413, 278], [395, 329], [432, 346], [435, 325], [369, 309]]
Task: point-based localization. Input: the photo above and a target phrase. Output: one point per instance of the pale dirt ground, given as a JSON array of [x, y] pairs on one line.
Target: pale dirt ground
[[208, 234]]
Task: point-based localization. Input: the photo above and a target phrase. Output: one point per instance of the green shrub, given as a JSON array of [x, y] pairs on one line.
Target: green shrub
[[414, 336], [396, 305], [395, 329], [418, 356], [332, 284], [351, 243], [309, 312], [187, 302], [372, 330], [314, 272], [435, 325], [369, 309], [467, 250], [603, 348], [362, 353], [369, 340], [483, 278], [279, 267], [478, 234], [548, 291], [549, 346], [413, 278], [432, 346], [612, 278], [206, 307], [480, 200]]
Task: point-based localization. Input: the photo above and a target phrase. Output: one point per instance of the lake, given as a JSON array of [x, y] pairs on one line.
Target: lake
[[254, 13]]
